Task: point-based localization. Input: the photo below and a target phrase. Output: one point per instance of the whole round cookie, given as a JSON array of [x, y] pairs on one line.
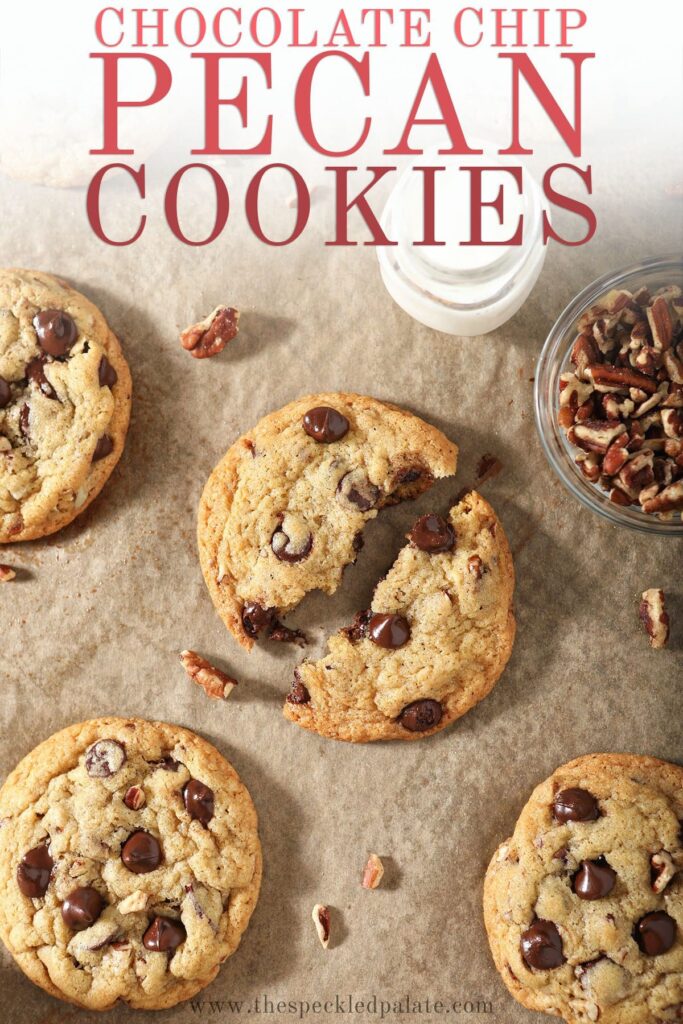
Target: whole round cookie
[[65, 393], [283, 512], [129, 863], [434, 643], [584, 904]]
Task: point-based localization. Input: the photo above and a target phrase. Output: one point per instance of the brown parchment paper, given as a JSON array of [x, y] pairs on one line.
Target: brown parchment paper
[[95, 620]]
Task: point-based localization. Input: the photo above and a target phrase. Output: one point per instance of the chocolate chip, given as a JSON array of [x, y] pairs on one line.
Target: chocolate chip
[[35, 371], [284, 635], [325, 425], [24, 420], [199, 802], [594, 880], [255, 618], [164, 935], [421, 715], [56, 331], [575, 805], [358, 628], [433, 534], [34, 870], [358, 542], [141, 853], [408, 476], [298, 693], [388, 630], [167, 763], [104, 447], [291, 549], [5, 393], [106, 373], [356, 493], [104, 758], [656, 933], [541, 946], [82, 907]]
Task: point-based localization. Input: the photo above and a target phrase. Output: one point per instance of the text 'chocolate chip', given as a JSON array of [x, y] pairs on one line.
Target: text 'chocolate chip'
[[325, 424]]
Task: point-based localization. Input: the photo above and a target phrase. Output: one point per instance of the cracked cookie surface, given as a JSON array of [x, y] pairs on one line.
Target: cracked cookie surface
[[283, 511], [584, 904], [65, 393], [434, 643], [129, 863]]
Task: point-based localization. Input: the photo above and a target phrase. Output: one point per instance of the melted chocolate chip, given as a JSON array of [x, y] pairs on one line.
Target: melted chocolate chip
[[421, 715], [164, 935], [575, 805], [433, 534], [655, 933], [199, 801], [325, 424], [541, 946], [82, 907], [594, 880], [106, 373], [388, 630], [167, 763], [56, 331], [5, 393], [358, 628], [284, 635], [255, 618], [104, 758], [141, 853], [409, 476], [34, 870], [35, 371], [356, 492], [298, 693], [24, 420], [288, 549], [104, 447]]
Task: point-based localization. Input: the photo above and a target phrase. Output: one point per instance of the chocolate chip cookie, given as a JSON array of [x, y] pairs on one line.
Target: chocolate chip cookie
[[435, 641], [283, 512], [129, 863], [584, 904], [65, 392]]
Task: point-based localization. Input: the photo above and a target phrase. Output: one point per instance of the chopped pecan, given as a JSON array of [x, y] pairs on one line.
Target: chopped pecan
[[668, 500], [321, 920], [584, 352], [210, 336], [620, 378], [672, 422], [7, 573], [661, 322], [373, 872], [213, 681], [597, 435], [663, 870], [637, 473], [654, 617]]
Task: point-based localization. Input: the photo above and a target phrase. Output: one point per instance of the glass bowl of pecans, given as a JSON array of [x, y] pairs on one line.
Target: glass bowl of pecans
[[609, 396]]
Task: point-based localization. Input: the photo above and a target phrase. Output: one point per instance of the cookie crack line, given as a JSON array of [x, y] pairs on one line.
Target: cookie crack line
[[132, 864], [65, 393]]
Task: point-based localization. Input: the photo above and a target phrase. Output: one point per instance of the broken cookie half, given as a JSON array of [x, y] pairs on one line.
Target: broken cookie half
[[283, 512], [434, 643]]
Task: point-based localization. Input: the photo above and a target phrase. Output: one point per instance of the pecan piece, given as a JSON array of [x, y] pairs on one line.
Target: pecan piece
[[654, 617], [373, 872], [672, 422], [668, 500], [663, 870], [637, 473], [597, 435], [210, 336], [7, 573], [661, 323], [213, 681], [321, 920], [618, 377]]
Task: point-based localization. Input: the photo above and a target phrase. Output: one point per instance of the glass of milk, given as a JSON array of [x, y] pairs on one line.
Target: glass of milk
[[462, 289]]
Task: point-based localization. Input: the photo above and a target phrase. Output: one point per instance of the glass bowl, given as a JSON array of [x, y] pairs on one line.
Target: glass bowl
[[554, 360]]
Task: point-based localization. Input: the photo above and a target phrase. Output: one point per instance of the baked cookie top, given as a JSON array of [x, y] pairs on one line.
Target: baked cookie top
[[129, 863], [283, 512], [584, 904], [65, 392], [433, 644]]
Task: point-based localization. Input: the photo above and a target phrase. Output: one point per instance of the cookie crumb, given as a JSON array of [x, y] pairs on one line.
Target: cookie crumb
[[654, 617], [215, 683], [488, 467], [7, 573], [373, 872], [208, 337], [321, 920]]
